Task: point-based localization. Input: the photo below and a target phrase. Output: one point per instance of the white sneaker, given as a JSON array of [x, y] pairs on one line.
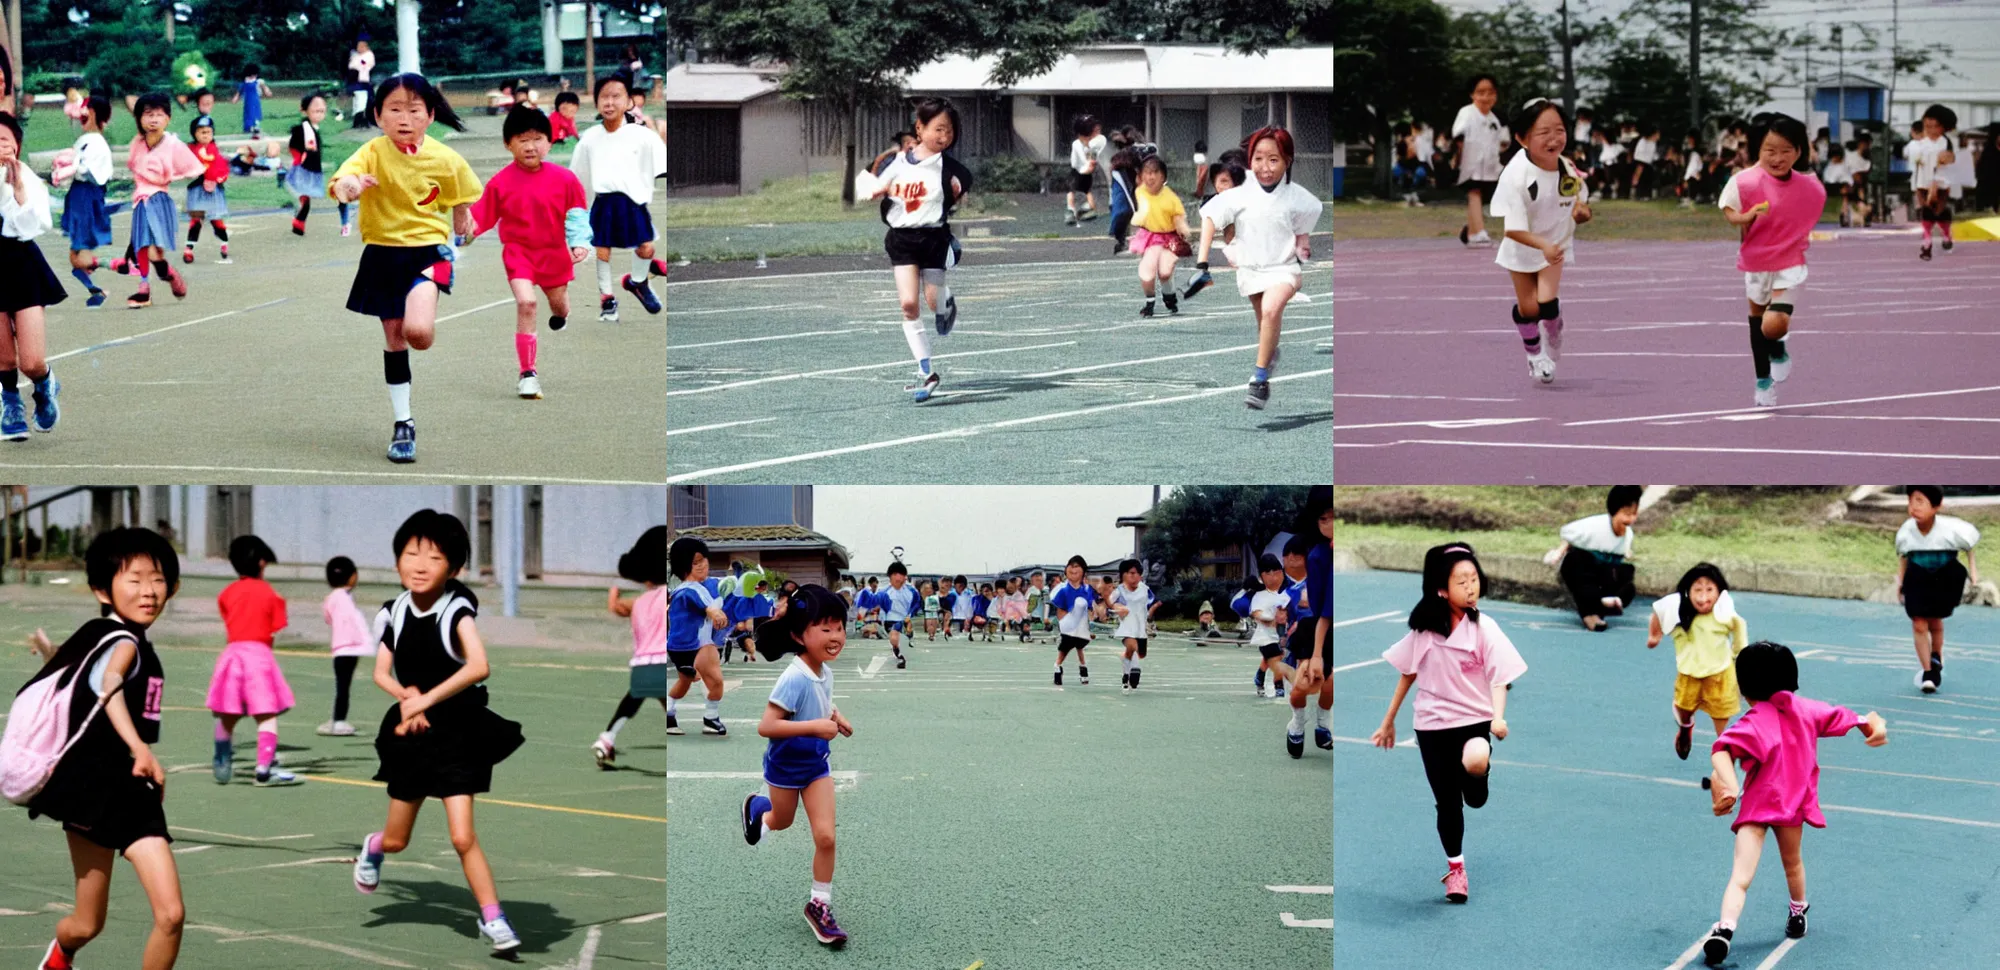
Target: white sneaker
[[1781, 369], [342, 729], [1541, 368], [325, 730], [501, 933], [367, 875], [530, 388], [1480, 238], [604, 751], [1767, 397], [1552, 338]]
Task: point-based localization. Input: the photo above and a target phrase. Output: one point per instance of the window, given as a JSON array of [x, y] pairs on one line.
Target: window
[[690, 507]]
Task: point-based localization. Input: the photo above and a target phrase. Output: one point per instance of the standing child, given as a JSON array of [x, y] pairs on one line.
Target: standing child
[[247, 680], [645, 564], [544, 231], [26, 287], [1461, 664], [899, 602], [1267, 609], [1014, 609], [206, 197], [306, 180], [1309, 566], [617, 162], [1708, 634], [251, 93], [1273, 217], [1930, 581], [415, 194], [799, 720], [1483, 137], [351, 639], [1074, 601], [693, 616], [440, 739], [1161, 233], [156, 159], [932, 605], [1777, 213], [1591, 558], [1133, 602], [1542, 199], [1083, 152], [1119, 197], [919, 188], [109, 789], [1778, 742], [85, 220], [1931, 159]]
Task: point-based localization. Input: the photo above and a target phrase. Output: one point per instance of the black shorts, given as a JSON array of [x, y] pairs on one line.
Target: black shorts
[[1273, 650], [129, 809], [1138, 645], [1933, 594], [1080, 181], [387, 274], [683, 660], [1068, 643], [1485, 189], [927, 248], [1301, 643]]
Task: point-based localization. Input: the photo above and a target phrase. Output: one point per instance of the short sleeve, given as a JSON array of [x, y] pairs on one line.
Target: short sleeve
[[1503, 663], [1732, 198], [1306, 214], [1667, 609], [362, 162], [789, 692], [465, 183], [1223, 209], [1406, 653], [1742, 741], [1510, 202], [1462, 122], [1834, 721], [1968, 534]]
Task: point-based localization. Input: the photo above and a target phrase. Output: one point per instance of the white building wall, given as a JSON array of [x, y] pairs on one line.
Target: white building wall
[[586, 528], [306, 524], [1032, 127]]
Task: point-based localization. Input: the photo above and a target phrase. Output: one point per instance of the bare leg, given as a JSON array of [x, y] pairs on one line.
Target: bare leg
[[1475, 212], [1921, 629], [1271, 320], [92, 865], [478, 875], [153, 861], [526, 310], [819, 812], [1477, 756], [396, 831], [1789, 837], [784, 804], [558, 299], [1749, 848], [708, 666]]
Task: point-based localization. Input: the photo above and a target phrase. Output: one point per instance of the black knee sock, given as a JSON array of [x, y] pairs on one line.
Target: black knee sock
[[1529, 328], [1475, 790], [221, 230], [194, 229], [305, 207], [626, 708], [1760, 351], [10, 378], [343, 674]]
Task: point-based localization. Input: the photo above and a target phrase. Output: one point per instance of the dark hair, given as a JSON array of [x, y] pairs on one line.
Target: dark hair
[[647, 561], [1473, 85], [339, 570], [100, 108], [958, 579], [1154, 161], [1268, 563], [874, 579], [522, 120], [1035, 573], [808, 605], [1932, 492], [13, 124], [250, 70], [248, 555], [1433, 613], [1784, 126], [623, 79], [1124, 160], [927, 109], [1524, 120], [1200, 146], [1299, 544], [1621, 496], [898, 567], [1765, 668], [305, 102], [568, 97], [1701, 570], [1082, 125], [199, 122], [1233, 156], [680, 558], [1076, 561], [110, 551], [419, 87], [1945, 117], [1131, 565], [439, 529], [1582, 113], [200, 93], [1238, 175], [151, 100]]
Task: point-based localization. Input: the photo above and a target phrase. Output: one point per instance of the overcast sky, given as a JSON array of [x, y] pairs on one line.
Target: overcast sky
[[976, 528]]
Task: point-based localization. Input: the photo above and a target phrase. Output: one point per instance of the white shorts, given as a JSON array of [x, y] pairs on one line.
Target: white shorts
[[1250, 282], [1760, 287]]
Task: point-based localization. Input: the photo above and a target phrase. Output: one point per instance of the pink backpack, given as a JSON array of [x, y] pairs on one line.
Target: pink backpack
[[38, 733]]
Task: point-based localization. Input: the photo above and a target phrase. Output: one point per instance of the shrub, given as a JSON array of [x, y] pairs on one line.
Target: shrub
[[1008, 173]]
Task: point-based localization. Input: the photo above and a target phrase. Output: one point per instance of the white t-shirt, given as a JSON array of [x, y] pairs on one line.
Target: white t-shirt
[[1081, 155], [1922, 154], [1960, 172], [1647, 150], [1132, 624], [1948, 533], [1267, 223], [1264, 609], [1858, 163], [1533, 199], [1425, 146], [1078, 601], [1594, 533], [1484, 136], [1610, 153], [1837, 173], [361, 63], [625, 161]]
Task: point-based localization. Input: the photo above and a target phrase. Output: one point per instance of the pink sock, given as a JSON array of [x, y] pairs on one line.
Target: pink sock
[[524, 350], [1927, 231], [267, 749], [372, 847], [1945, 227], [489, 913], [221, 733]]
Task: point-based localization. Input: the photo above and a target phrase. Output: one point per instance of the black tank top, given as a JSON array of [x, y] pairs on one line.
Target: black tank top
[[145, 681], [426, 644]]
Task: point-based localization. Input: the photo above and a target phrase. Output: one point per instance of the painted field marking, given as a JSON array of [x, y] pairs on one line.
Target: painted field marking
[[190, 850], [1687, 956], [750, 382], [842, 780], [242, 838], [121, 341], [1155, 360], [782, 336], [1308, 890], [1804, 404], [713, 427], [317, 474], [501, 801], [1442, 424], [1308, 924], [1356, 665], [644, 918], [241, 936], [587, 957], [1699, 449], [1777, 954], [874, 666], [477, 309]]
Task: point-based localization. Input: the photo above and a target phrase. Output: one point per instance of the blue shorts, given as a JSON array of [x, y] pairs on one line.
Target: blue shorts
[[796, 762], [895, 624]]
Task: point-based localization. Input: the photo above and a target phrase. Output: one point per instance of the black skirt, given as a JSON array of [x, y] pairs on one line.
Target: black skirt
[[387, 274], [1932, 594], [94, 793], [25, 278], [455, 757]]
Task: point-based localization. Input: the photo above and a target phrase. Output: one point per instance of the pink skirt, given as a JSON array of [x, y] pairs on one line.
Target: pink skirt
[[1144, 239], [247, 681]]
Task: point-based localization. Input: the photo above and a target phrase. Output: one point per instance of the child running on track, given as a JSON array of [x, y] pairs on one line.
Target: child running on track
[[694, 613], [617, 162], [1159, 235], [1083, 152], [1778, 741], [899, 603], [645, 564], [440, 740], [800, 719], [109, 789], [1930, 580], [919, 189], [26, 287], [1777, 213], [207, 194], [351, 639], [416, 194], [247, 680], [1314, 625], [1273, 217], [1133, 602], [85, 220], [544, 230], [1073, 602], [156, 160], [1591, 558], [1461, 664], [1541, 199], [1708, 633], [306, 179]]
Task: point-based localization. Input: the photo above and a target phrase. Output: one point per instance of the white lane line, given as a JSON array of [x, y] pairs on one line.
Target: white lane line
[[732, 385], [122, 341], [480, 308], [1701, 449], [243, 838], [1343, 668], [1426, 397], [316, 474], [190, 850], [1442, 424], [1309, 890], [974, 430], [1777, 954], [1309, 924], [1357, 621], [646, 918], [1687, 956], [874, 666], [251, 936], [842, 780], [782, 336], [1894, 417], [588, 955], [712, 427], [1155, 360], [998, 269], [1803, 404]]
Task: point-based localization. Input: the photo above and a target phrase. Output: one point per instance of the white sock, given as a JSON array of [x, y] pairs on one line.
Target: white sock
[[1127, 663], [1456, 860], [399, 400], [673, 706], [1298, 720], [713, 711], [822, 891], [764, 827], [642, 269], [604, 277], [920, 343], [611, 733], [1321, 715]]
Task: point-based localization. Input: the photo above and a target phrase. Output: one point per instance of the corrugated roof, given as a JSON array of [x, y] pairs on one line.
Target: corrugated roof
[[719, 83], [1145, 69], [724, 537]]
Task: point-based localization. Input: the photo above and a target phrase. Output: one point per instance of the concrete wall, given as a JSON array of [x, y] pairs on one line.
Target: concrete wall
[[307, 524], [586, 528], [1032, 128], [1225, 123], [772, 144], [750, 505]]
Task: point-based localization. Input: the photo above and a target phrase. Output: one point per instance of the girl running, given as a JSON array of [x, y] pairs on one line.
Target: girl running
[[1133, 602], [799, 720], [694, 614], [1273, 217], [1542, 199], [1777, 213], [1083, 152], [1160, 233], [440, 740], [26, 287], [416, 194], [157, 160], [645, 564], [85, 220], [247, 680], [919, 188], [109, 789], [1461, 664], [1120, 199], [1481, 139], [617, 161], [1778, 741], [351, 639], [306, 180], [1708, 633], [207, 199], [544, 229], [1930, 159], [1313, 625], [1073, 601], [1930, 581]]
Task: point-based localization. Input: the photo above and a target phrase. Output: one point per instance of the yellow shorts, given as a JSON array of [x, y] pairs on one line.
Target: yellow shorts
[[1716, 693]]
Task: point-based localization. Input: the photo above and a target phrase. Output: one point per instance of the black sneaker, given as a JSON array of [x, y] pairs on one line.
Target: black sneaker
[[1715, 949], [1135, 677], [1937, 671], [1465, 235], [1173, 302], [1795, 924], [1258, 396], [1930, 680], [557, 322], [674, 725], [1058, 676], [1684, 741], [901, 663], [1295, 745], [1147, 310], [1083, 674], [1947, 244], [1925, 253], [754, 807], [713, 725]]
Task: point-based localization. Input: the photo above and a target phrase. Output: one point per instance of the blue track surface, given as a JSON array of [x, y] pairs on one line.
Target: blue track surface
[[1598, 849]]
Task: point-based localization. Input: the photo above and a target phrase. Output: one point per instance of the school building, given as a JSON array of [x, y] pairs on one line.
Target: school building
[[729, 131], [765, 525]]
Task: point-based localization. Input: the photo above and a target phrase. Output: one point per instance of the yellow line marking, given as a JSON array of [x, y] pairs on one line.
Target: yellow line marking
[[976, 964], [500, 801]]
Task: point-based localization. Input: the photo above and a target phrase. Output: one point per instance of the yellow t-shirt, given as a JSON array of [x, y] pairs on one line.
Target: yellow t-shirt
[[1711, 646], [412, 202], [1158, 209]]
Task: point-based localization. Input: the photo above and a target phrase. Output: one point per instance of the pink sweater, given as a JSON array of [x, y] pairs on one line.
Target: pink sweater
[[155, 169], [1779, 237], [1778, 744]]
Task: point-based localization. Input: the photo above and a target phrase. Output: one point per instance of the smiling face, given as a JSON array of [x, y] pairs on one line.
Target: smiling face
[[824, 640], [1777, 155], [405, 117], [936, 135], [138, 592], [1623, 519], [1546, 140], [423, 567], [613, 100], [1703, 595], [1267, 162], [1223, 181], [1932, 129]]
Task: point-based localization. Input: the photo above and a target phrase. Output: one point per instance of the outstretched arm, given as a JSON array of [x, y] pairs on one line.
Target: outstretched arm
[[1385, 736]]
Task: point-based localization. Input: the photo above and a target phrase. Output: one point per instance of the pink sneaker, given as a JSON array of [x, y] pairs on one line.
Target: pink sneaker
[[1454, 885]]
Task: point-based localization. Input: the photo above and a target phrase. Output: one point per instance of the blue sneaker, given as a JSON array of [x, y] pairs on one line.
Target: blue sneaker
[[13, 417], [274, 777], [754, 808], [1202, 280], [96, 300], [403, 444], [1295, 744], [1323, 738], [1278, 690], [922, 390], [46, 410], [644, 292], [224, 767]]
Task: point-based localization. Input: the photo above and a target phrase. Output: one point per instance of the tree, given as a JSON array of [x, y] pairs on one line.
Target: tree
[[1194, 518], [1393, 63]]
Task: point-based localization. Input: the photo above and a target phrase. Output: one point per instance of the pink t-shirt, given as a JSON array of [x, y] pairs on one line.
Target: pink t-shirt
[[1779, 237], [529, 207], [1778, 744], [351, 635], [155, 169], [1456, 674], [649, 627]]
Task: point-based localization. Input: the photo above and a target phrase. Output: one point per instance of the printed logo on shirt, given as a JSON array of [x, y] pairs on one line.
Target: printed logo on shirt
[[431, 196], [1471, 664], [912, 194], [156, 688]]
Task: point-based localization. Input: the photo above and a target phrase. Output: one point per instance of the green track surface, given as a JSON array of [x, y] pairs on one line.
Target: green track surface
[[993, 817], [266, 873]]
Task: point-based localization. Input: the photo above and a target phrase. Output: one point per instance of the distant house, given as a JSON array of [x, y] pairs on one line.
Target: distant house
[[767, 525], [729, 131]]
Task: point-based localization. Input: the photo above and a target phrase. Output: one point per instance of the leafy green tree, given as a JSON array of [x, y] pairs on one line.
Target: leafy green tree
[[1194, 518], [1393, 63]]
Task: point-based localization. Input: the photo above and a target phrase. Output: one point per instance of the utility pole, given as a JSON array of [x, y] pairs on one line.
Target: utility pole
[[590, 45], [1569, 66], [1809, 85], [1694, 64], [1840, 78], [170, 22]]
